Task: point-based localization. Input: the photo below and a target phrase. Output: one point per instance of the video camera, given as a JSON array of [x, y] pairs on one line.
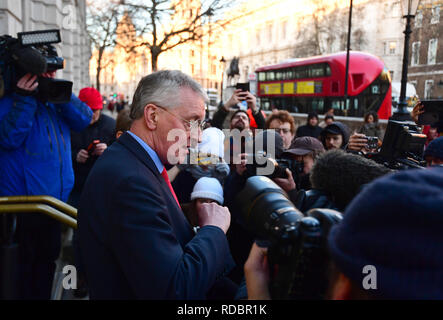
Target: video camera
[[33, 52], [402, 147], [259, 160], [268, 159], [297, 243]]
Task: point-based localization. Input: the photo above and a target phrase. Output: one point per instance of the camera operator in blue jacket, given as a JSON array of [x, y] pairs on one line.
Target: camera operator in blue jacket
[[35, 159]]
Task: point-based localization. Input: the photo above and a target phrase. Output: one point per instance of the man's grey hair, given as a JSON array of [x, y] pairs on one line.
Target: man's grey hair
[[163, 88]]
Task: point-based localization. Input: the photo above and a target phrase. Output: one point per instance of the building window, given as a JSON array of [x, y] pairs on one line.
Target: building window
[[214, 69], [284, 26], [389, 47], [392, 74], [415, 53], [192, 68], [435, 14], [432, 51], [418, 19], [396, 9], [192, 53], [392, 47], [428, 88], [270, 32]]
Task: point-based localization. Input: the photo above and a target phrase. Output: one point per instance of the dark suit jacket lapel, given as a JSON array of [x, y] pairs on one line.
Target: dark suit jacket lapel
[[133, 146]]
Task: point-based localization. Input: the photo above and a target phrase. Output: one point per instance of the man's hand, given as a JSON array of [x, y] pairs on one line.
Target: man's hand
[[27, 84], [82, 156], [99, 148], [358, 142], [212, 214], [286, 184], [236, 98], [257, 274], [241, 167], [251, 100], [418, 109]]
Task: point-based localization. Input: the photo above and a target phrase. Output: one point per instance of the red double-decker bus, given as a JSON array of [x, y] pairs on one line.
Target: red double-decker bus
[[317, 84]]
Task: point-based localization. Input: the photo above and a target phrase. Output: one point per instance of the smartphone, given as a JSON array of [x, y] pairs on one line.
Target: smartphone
[[92, 146], [243, 105], [244, 86], [433, 112]]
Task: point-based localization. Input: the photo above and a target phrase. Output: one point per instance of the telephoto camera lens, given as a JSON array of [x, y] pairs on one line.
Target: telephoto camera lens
[[297, 253], [267, 210]]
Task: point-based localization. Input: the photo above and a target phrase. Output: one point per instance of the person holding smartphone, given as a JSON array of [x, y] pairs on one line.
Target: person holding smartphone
[[418, 111], [255, 116]]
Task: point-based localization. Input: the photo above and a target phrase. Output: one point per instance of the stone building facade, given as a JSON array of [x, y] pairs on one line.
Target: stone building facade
[[261, 38], [426, 50], [67, 15], [266, 32]]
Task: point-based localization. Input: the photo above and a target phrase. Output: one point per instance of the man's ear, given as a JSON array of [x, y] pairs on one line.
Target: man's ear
[[341, 288], [151, 116]]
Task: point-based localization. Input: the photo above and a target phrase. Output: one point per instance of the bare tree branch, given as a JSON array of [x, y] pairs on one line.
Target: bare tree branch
[[162, 25], [101, 25]]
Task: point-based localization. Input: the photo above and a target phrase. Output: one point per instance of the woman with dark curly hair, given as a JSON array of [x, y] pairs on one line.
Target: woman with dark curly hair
[[371, 128]]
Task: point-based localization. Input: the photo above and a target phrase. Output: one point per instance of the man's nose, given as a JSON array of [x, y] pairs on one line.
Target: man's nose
[[194, 137]]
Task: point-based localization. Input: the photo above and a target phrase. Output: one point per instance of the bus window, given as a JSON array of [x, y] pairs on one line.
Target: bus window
[[375, 89], [338, 106], [279, 75], [372, 97], [301, 104], [318, 105], [270, 76], [289, 75], [283, 75], [327, 70], [265, 104], [262, 76], [317, 70], [301, 72]]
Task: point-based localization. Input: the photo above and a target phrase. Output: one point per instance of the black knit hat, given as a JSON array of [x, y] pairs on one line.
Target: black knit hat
[[395, 224]]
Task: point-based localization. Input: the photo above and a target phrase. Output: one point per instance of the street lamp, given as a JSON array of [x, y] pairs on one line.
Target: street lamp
[[222, 60], [409, 8]]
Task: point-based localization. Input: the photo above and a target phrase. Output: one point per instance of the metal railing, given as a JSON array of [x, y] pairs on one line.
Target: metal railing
[[9, 254], [50, 206]]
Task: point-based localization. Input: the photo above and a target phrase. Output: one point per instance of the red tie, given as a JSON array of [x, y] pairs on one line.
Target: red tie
[[165, 176]]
